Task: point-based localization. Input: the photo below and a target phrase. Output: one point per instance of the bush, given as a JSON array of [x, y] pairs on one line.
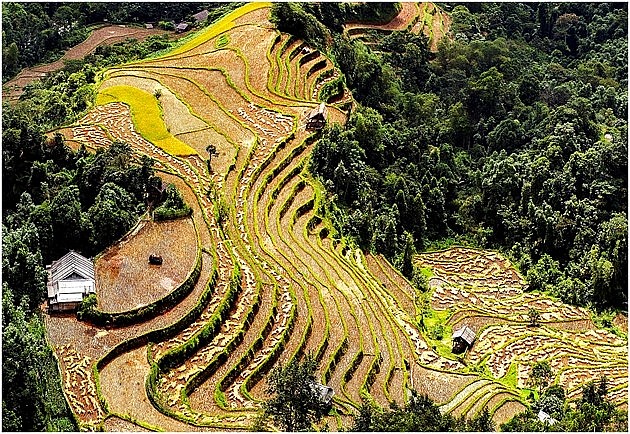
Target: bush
[[166, 25], [438, 333], [88, 304], [173, 206]]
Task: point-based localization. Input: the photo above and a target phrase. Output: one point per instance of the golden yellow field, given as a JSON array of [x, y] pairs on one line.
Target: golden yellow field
[[146, 116]]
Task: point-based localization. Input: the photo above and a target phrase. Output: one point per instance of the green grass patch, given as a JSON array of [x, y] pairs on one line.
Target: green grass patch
[[605, 320], [147, 117], [510, 378], [436, 331], [222, 41]]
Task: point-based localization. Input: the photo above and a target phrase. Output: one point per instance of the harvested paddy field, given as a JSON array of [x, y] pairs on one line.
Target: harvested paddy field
[[266, 280], [124, 276]]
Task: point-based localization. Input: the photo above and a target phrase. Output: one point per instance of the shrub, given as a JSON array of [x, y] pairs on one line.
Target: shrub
[[88, 304], [438, 332], [166, 25], [173, 206]]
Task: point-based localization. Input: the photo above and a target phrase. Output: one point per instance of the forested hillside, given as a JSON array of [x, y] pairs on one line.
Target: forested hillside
[[53, 200], [513, 135]]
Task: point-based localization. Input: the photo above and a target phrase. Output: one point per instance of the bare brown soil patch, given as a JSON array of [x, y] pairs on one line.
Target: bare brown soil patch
[[116, 424], [506, 412], [400, 22], [107, 35], [125, 279], [440, 27]]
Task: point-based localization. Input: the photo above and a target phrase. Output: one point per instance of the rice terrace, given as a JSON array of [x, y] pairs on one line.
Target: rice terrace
[[256, 275]]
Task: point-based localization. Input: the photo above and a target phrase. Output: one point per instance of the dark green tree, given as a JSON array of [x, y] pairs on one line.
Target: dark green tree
[[295, 404], [540, 375], [112, 215], [408, 255]]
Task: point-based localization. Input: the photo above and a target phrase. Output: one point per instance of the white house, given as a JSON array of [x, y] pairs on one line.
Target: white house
[[70, 280]]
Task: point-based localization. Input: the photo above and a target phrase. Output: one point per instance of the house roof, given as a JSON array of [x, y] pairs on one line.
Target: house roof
[[325, 393], [545, 418], [318, 111], [70, 263], [182, 26], [70, 277], [149, 26], [201, 16], [466, 333]]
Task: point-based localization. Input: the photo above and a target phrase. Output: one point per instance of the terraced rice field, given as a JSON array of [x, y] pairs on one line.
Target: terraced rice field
[[273, 282], [424, 17], [125, 277], [482, 290]]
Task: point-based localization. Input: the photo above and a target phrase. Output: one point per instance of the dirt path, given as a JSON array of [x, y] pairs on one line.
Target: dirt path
[[413, 17], [108, 35], [399, 22]]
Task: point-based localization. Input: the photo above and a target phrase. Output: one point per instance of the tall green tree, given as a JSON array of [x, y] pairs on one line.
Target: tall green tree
[[295, 404]]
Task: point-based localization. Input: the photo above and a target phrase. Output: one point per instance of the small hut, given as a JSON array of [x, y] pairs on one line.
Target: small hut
[[181, 27], [155, 260], [148, 25], [70, 280], [316, 119], [324, 393], [201, 16], [463, 339]]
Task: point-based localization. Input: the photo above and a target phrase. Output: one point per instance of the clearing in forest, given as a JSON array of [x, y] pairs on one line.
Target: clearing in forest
[[106, 35], [424, 17]]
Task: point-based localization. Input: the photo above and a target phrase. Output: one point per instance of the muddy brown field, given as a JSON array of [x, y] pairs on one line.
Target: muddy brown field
[[124, 276]]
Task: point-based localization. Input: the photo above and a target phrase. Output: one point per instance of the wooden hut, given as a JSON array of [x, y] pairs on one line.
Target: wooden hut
[[155, 259], [201, 16], [181, 27], [324, 393], [463, 339], [316, 118], [70, 280]]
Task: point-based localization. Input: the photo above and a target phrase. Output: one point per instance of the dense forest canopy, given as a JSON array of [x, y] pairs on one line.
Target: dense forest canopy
[[513, 136]]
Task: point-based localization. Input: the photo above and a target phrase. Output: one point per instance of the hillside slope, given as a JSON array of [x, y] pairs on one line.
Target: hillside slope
[[271, 281]]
